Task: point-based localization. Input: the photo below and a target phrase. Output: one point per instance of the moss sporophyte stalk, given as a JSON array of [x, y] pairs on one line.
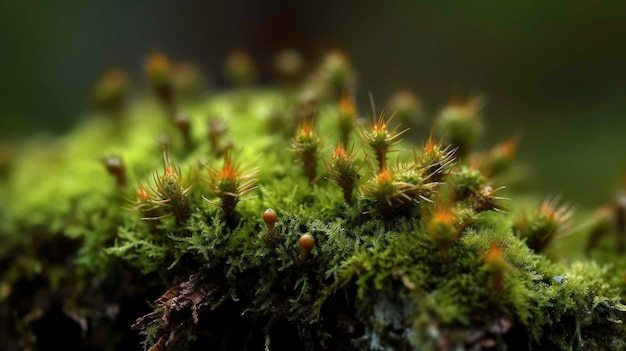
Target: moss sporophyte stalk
[[351, 236]]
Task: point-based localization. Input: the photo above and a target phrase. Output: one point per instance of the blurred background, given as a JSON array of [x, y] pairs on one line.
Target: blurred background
[[553, 71]]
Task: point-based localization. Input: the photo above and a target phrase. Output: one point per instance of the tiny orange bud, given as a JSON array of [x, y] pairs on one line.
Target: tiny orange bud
[[159, 71], [430, 145], [495, 256], [346, 106], [306, 242], [497, 265], [340, 152], [270, 217], [506, 148], [444, 217], [442, 228], [142, 194], [158, 62], [384, 177], [547, 210]]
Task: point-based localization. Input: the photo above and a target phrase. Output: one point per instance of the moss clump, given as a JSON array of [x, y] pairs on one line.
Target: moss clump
[[412, 253]]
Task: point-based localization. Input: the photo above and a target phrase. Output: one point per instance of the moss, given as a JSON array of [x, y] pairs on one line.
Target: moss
[[378, 276]]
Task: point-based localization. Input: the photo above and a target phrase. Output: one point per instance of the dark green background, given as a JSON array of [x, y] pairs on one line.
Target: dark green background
[[552, 70]]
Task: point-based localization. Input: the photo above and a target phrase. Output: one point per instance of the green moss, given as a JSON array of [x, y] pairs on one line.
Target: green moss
[[375, 279]]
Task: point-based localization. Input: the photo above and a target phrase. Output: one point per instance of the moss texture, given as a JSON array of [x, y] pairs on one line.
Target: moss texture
[[150, 214]]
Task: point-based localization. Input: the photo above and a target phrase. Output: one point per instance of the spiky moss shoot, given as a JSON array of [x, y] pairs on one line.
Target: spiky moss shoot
[[610, 219], [466, 182], [159, 74], [343, 170], [380, 139], [270, 217], [500, 157], [543, 225], [461, 125], [217, 128], [306, 244], [142, 205], [497, 265], [485, 199], [407, 108], [403, 186], [436, 160], [336, 73], [240, 69], [169, 193], [289, 66], [230, 185], [115, 166], [110, 92], [443, 228], [385, 193], [414, 182], [346, 119], [187, 80], [305, 144], [604, 222]]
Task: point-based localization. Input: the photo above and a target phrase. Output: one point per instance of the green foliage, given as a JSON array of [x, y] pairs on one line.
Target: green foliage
[[403, 262]]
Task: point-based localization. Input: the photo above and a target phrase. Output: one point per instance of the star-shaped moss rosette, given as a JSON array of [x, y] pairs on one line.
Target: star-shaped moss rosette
[[343, 170], [231, 185], [305, 144], [380, 139]]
